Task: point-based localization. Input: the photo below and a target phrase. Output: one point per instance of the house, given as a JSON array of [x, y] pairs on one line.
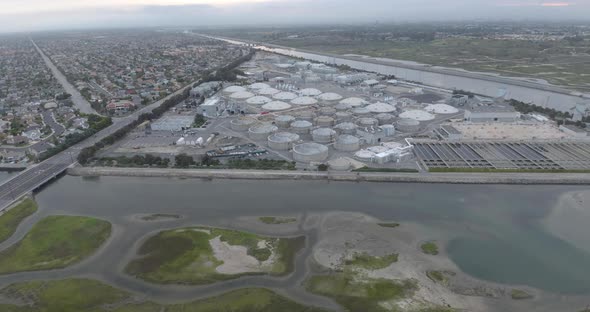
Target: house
[[120, 107], [32, 135], [17, 140], [80, 123]]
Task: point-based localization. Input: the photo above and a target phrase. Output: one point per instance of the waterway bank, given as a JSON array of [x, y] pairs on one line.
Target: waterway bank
[[446, 178]]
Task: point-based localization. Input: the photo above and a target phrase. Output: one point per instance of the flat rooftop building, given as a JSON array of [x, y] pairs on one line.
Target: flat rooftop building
[[490, 113]]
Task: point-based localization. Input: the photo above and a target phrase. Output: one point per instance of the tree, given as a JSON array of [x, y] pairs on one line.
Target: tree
[[183, 161]]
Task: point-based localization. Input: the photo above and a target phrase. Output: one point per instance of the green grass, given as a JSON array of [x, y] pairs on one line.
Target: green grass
[[518, 294], [276, 220], [160, 216], [360, 295], [245, 300], [389, 224], [75, 295], [369, 262], [429, 248], [55, 242], [10, 220], [185, 256], [440, 277]]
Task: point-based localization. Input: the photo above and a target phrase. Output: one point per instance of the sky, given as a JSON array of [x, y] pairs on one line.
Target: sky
[[33, 15]]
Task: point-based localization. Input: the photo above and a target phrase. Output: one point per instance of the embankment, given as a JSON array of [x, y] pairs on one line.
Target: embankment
[[452, 178]]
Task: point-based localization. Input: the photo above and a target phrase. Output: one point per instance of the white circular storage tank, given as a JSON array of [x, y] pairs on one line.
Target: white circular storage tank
[[441, 109], [324, 121], [347, 143], [259, 85], [367, 122], [364, 155], [323, 135], [327, 111], [310, 152], [361, 111], [282, 141], [304, 100], [310, 92], [301, 126], [343, 116], [241, 95], [378, 108], [407, 125], [275, 106], [417, 114], [339, 164], [306, 115], [261, 132], [284, 121], [258, 100], [385, 118], [346, 128], [342, 107], [329, 97], [354, 102], [285, 96], [234, 89], [267, 91], [242, 124]]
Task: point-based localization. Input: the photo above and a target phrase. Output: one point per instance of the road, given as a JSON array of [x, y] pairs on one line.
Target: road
[[418, 67], [30, 179], [78, 100]]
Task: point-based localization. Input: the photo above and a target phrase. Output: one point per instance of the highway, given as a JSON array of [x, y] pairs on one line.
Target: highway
[[78, 100], [32, 178]]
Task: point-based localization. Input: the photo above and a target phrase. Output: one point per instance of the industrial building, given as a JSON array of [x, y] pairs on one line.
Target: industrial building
[[489, 113]]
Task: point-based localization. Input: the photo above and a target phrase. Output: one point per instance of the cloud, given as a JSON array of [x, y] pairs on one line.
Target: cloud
[[135, 13]]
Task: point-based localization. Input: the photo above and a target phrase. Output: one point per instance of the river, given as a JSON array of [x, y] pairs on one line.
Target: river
[[491, 85], [496, 232]]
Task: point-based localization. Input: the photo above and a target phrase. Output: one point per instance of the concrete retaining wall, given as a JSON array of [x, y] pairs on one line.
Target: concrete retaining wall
[[447, 178]]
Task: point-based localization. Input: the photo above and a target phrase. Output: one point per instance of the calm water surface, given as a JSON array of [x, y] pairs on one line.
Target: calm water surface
[[495, 229]]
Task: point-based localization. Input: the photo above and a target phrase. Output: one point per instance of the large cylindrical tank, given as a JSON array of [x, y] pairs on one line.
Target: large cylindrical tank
[[361, 111], [343, 116], [301, 127], [310, 152], [282, 141], [324, 121], [407, 125], [347, 143], [327, 111], [342, 107], [261, 132], [284, 121], [367, 122], [323, 135], [346, 128], [306, 115], [242, 124], [384, 118]]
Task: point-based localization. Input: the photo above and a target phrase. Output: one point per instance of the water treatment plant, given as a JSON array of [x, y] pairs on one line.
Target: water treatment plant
[[312, 114]]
